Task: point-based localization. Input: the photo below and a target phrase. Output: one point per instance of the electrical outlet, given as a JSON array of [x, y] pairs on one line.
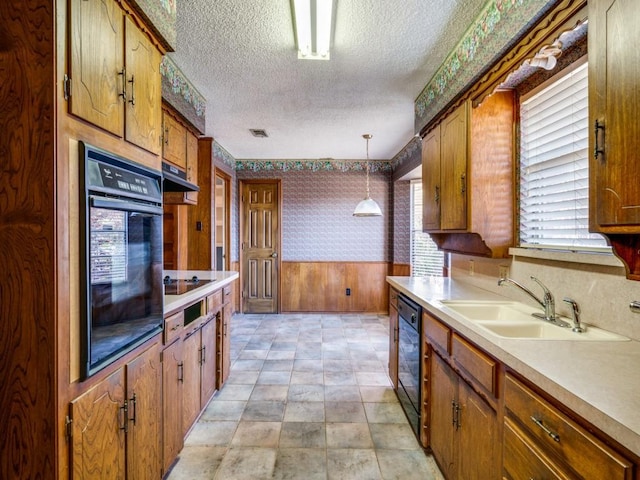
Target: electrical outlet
[[472, 268], [503, 271], [348, 292]]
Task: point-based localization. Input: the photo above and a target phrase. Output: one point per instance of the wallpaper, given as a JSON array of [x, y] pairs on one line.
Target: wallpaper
[[161, 17], [402, 222], [317, 215]]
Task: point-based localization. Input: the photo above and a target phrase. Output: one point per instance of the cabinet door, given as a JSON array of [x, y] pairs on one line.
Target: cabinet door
[[224, 345], [174, 149], [97, 431], [477, 430], [97, 63], [143, 117], [453, 135], [208, 373], [443, 401], [191, 376], [144, 397], [172, 371], [613, 102], [192, 166], [431, 180], [393, 346]]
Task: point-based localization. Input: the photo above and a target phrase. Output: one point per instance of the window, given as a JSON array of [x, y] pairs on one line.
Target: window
[[426, 259], [554, 174]]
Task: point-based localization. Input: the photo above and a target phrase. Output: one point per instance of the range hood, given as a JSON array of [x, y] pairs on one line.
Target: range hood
[[175, 180]]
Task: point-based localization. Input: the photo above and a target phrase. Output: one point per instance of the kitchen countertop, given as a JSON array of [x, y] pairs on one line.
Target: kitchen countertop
[[599, 380], [220, 279]]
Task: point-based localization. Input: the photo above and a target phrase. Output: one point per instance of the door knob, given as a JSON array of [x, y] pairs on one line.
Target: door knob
[[274, 254]]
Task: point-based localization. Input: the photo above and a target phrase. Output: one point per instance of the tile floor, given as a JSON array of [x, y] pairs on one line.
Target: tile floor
[[308, 398]]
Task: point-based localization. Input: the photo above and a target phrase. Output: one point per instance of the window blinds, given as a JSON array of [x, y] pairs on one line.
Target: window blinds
[[554, 175], [426, 259]]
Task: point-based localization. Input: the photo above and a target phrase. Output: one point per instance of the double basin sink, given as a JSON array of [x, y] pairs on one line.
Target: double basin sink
[[514, 320]]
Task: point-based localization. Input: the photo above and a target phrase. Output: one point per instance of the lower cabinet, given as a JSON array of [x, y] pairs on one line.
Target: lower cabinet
[[542, 442], [393, 338], [172, 397], [115, 425], [223, 341]]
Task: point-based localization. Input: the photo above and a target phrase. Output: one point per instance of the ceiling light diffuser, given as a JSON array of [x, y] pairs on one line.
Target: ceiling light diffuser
[[312, 21]]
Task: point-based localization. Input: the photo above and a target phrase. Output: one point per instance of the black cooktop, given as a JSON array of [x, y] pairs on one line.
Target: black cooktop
[[179, 286]]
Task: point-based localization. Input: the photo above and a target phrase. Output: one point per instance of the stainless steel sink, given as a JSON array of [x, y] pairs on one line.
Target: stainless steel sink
[[513, 320]]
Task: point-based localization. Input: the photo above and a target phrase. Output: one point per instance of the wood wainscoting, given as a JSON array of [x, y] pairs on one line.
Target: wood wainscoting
[[400, 270], [322, 287]]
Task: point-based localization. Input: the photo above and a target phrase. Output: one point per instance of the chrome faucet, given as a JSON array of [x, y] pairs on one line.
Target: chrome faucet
[[547, 302], [575, 310]]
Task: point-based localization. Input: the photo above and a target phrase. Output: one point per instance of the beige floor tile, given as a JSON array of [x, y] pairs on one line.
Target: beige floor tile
[[378, 394], [307, 378], [224, 410], [197, 462], [342, 393], [352, 464], [301, 463], [385, 413], [380, 379], [348, 435], [407, 465], [274, 393], [304, 412], [247, 464], [231, 392], [339, 378], [243, 377], [345, 412], [211, 433], [274, 378], [257, 434], [303, 435], [263, 411], [281, 355], [306, 393], [398, 436]]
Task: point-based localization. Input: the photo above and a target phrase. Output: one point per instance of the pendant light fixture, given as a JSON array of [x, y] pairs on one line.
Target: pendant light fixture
[[367, 207]]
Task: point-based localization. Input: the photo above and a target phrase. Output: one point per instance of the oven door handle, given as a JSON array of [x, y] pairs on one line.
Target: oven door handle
[[114, 204]]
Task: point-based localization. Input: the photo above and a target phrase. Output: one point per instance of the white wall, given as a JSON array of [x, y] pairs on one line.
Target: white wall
[[602, 292]]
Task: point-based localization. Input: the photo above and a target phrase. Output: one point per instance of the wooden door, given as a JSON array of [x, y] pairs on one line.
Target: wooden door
[[97, 63], [478, 454], [443, 397], [453, 207], [260, 246], [144, 376], [172, 434], [191, 381], [613, 103], [174, 149], [97, 431], [208, 365], [143, 114], [431, 180]]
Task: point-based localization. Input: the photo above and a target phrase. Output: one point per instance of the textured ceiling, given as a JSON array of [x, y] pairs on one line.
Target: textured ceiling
[[240, 54]]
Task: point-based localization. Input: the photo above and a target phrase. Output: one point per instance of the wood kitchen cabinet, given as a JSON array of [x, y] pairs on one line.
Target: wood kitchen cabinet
[[114, 72], [180, 149], [463, 423], [542, 442], [172, 399], [467, 175], [393, 337], [614, 137], [115, 425], [224, 337]]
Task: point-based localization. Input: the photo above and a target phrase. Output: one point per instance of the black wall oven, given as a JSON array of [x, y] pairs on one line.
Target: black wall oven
[[409, 359], [121, 256]]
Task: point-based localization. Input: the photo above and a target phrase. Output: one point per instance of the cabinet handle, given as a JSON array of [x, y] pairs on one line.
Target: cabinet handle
[[597, 127], [175, 327], [123, 93], [181, 372], [463, 183], [437, 195], [132, 100], [134, 402], [453, 413], [553, 435], [166, 135], [124, 411], [458, 423], [204, 351]]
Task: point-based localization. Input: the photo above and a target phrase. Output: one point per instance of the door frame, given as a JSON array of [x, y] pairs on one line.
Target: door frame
[[226, 178], [242, 220]]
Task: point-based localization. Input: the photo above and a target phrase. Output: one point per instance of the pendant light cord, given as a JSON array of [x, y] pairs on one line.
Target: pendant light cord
[[368, 196]]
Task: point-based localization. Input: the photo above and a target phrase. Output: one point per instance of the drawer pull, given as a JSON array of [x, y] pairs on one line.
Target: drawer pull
[[553, 435], [175, 327]]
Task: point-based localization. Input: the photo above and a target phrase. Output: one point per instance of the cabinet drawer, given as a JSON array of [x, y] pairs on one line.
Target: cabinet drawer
[[522, 459], [393, 298], [476, 363], [438, 333], [214, 302], [557, 433], [173, 327]]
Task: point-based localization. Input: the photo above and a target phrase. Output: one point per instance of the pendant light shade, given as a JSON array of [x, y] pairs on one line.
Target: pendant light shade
[[367, 207]]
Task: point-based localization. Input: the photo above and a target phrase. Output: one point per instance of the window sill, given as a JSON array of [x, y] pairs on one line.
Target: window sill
[[606, 259]]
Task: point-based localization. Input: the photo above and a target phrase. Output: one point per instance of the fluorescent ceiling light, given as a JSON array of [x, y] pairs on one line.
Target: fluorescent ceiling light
[[313, 20]]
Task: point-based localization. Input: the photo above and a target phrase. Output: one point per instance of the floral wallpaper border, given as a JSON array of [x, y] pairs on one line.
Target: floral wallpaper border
[[223, 156], [497, 25], [407, 153], [182, 86], [321, 165], [161, 15]]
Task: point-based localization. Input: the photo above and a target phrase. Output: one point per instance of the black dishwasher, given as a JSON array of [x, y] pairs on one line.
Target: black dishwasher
[[409, 315]]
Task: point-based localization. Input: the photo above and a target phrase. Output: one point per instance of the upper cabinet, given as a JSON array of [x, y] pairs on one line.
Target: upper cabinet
[[114, 71], [180, 149], [467, 175], [615, 130]]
